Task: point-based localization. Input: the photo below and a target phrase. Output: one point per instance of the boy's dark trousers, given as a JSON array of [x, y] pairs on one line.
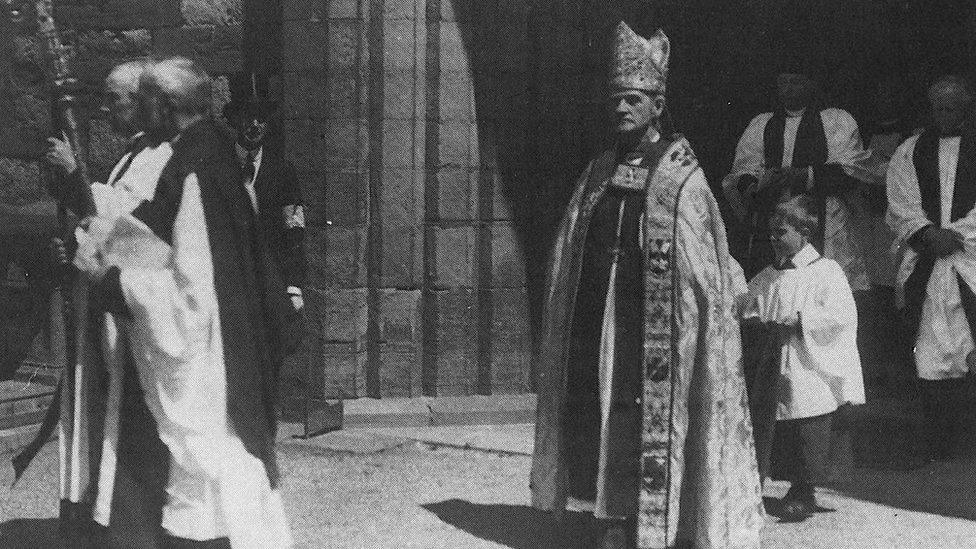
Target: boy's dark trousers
[[801, 453]]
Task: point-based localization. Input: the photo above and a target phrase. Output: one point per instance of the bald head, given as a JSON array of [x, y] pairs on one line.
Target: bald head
[[951, 99], [119, 102], [174, 93]]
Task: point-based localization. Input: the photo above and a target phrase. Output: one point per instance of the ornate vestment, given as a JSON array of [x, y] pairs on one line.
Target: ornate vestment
[[699, 484]]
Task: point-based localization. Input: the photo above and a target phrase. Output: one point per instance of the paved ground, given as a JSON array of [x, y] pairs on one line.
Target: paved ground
[[383, 488]]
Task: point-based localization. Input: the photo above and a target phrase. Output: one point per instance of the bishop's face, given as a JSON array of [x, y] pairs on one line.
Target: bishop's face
[[634, 111]]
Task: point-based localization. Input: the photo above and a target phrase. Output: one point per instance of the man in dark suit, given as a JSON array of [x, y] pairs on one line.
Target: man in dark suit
[[270, 180]]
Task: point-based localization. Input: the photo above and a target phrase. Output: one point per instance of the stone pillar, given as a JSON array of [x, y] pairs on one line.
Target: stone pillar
[[417, 268]]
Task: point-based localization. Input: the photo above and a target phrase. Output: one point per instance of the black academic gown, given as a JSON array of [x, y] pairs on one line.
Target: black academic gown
[[255, 320]]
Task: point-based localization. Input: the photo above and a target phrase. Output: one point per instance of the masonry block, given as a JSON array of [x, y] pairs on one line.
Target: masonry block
[[507, 256], [120, 14], [399, 45], [346, 197], [455, 257], [400, 316], [511, 349], [455, 143], [399, 372], [400, 230], [345, 44], [457, 194], [341, 314], [345, 9], [24, 125], [212, 12], [456, 342], [454, 49], [313, 183], [98, 51], [20, 182], [337, 144], [343, 371], [336, 256], [304, 44], [299, 137], [304, 10], [401, 10], [456, 96], [398, 94], [305, 94], [398, 144], [343, 99], [216, 48]]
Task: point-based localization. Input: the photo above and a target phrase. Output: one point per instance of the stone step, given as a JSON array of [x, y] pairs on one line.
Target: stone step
[[23, 403]]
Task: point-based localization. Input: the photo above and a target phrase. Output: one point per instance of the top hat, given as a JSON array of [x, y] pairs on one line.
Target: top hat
[[249, 93]]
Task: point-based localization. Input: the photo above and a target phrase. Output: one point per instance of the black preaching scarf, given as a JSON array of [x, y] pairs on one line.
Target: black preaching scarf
[[809, 149], [926, 160]]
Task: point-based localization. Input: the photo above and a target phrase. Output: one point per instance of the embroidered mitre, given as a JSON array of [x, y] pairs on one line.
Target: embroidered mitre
[[639, 63]]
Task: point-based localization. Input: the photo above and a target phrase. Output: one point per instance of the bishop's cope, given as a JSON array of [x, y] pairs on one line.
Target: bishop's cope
[[189, 319], [642, 414]]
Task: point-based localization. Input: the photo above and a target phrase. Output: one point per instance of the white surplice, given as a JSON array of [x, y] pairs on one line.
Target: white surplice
[[820, 368], [944, 340], [215, 487], [844, 148]]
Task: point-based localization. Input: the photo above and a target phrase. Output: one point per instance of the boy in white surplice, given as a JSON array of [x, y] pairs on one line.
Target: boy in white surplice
[[807, 364]]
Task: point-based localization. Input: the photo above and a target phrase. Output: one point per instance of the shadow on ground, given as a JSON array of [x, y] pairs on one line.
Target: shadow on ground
[[515, 526], [29, 534], [942, 487]]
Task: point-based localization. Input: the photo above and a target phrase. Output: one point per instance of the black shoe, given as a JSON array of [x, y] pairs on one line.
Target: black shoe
[[795, 510]]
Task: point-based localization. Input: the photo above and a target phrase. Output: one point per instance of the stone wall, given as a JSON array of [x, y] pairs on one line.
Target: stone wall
[[101, 34], [437, 142], [417, 268]]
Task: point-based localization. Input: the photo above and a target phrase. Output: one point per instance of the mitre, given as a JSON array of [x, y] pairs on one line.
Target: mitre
[[639, 63]]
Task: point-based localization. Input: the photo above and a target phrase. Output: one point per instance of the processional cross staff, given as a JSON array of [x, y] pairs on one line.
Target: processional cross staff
[[68, 317]]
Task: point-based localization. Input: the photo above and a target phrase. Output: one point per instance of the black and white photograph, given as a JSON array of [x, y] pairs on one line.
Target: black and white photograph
[[487, 274]]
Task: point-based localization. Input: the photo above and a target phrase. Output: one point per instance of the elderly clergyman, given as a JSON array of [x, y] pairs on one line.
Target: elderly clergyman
[[931, 199], [642, 410], [203, 311], [825, 144], [125, 441]]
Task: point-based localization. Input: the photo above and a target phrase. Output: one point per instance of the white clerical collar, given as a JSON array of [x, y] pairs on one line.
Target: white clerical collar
[[807, 255], [243, 153], [795, 114]]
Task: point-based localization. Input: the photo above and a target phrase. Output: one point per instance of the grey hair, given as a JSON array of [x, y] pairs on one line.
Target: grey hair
[[127, 75], [951, 83], [187, 87]]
